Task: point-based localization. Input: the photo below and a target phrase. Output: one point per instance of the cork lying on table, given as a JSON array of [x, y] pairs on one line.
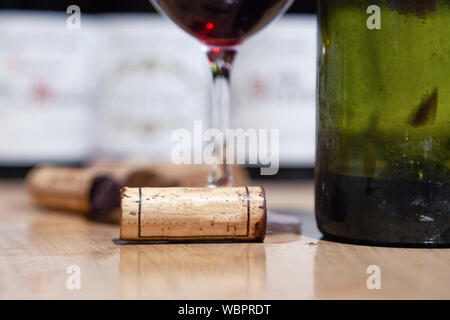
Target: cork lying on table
[[134, 175], [184, 214], [95, 190], [73, 189], [165, 174]]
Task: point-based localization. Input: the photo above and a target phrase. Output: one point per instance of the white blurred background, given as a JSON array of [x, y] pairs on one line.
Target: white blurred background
[[119, 85]]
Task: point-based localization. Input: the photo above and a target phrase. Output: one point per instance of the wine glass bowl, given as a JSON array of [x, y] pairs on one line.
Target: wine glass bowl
[[222, 22]]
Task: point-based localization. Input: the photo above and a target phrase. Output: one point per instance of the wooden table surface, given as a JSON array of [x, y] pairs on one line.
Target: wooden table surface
[[37, 246]]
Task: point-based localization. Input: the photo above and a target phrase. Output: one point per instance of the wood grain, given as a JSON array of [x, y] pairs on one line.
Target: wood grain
[[37, 246]]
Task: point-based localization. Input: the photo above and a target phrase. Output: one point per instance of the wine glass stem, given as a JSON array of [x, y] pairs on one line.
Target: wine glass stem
[[221, 63]]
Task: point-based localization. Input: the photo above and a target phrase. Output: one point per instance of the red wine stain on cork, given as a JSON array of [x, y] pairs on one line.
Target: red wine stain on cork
[[420, 8], [425, 113]]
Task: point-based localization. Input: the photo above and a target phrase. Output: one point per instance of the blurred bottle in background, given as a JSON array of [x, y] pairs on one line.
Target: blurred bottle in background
[[274, 87], [119, 86], [148, 89], [48, 80]]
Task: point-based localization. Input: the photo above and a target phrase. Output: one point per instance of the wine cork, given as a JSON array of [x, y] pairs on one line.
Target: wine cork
[[73, 189], [139, 174], [183, 214], [196, 175], [134, 175]]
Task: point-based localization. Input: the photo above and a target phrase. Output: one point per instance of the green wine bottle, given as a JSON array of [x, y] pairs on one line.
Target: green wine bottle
[[383, 121]]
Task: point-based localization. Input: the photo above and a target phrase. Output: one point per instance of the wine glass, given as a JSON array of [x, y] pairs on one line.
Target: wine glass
[[221, 26]]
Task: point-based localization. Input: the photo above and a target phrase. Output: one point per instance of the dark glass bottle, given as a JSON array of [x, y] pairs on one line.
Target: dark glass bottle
[[383, 137]]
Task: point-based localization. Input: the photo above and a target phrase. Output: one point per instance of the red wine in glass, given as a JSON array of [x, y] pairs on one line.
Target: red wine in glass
[[222, 22], [221, 25]]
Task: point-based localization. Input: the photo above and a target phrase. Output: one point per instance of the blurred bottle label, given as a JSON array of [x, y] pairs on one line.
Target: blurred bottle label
[[121, 84], [47, 86], [155, 79], [274, 86]]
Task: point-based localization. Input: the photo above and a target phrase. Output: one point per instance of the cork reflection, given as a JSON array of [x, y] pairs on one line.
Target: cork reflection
[[192, 271]]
